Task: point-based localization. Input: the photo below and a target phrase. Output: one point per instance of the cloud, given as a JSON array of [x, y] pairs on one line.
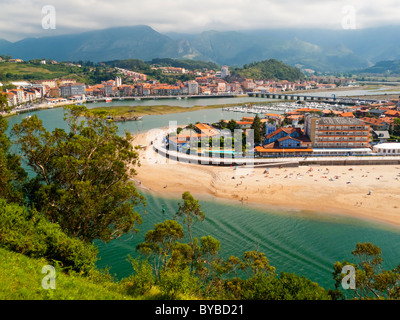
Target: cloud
[[23, 18]]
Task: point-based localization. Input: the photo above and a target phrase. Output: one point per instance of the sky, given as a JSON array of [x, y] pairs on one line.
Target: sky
[[38, 18]]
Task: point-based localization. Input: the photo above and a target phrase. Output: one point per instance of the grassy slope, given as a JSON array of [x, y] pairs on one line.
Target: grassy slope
[[38, 72], [21, 279]]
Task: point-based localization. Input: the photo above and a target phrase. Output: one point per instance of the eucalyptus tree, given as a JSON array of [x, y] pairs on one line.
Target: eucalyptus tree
[[82, 176]]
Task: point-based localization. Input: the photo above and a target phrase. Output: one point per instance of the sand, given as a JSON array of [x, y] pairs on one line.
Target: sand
[[366, 192]]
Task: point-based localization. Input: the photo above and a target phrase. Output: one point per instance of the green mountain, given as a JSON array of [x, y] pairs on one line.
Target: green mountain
[[268, 69], [384, 68], [317, 49]]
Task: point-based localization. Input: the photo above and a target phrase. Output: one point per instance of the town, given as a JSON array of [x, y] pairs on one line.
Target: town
[[205, 83], [297, 129]]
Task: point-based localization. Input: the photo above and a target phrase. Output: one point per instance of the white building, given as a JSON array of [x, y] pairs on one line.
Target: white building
[[387, 149], [193, 87], [224, 72]]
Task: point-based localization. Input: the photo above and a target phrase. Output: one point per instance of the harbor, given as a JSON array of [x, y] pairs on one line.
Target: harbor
[[284, 107]]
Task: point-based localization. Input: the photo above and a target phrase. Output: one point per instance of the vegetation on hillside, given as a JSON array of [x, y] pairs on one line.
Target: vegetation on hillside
[[268, 69], [386, 68], [185, 63], [34, 70]]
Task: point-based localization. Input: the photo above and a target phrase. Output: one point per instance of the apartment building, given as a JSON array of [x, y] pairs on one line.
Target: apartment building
[[77, 89], [337, 132]]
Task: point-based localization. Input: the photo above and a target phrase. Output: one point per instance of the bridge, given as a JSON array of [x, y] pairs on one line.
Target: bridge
[[302, 97]]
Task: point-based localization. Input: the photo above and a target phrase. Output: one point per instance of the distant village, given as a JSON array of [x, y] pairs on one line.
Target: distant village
[[206, 83]]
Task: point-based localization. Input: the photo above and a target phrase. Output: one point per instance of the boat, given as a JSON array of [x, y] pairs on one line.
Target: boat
[[137, 99], [108, 100], [178, 98]]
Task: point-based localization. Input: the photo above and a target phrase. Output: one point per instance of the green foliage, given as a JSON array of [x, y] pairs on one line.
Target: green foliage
[[160, 242], [371, 281], [383, 68], [174, 283], [286, 287], [142, 280], [30, 233], [185, 63], [82, 176], [21, 279], [190, 211], [12, 175], [258, 129], [269, 69]]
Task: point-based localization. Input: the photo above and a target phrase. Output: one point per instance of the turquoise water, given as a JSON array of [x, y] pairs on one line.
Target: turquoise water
[[303, 243]]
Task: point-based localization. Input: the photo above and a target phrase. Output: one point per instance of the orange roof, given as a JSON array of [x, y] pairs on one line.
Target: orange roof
[[306, 110], [244, 122], [262, 150], [347, 115]]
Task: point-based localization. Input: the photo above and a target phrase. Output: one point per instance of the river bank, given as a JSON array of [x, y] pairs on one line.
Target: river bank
[[367, 192]]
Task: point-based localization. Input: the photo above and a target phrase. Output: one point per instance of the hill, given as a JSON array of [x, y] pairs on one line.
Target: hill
[[21, 279], [383, 68], [268, 69], [33, 70]]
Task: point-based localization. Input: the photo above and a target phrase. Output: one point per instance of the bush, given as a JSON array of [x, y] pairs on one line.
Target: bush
[[174, 283], [142, 281], [26, 231]]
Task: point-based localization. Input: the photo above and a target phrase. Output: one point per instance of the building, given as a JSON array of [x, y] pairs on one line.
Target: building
[[224, 72], [387, 149], [287, 138], [337, 132], [382, 136], [77, 89], [193, 87]]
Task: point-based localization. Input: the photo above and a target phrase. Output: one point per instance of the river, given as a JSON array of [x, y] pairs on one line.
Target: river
[[299, 242]]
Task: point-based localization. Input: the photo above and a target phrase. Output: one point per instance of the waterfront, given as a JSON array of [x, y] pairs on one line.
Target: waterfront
[[294, 241]]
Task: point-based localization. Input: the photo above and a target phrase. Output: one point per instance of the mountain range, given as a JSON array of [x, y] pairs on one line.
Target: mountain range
[[318, 49]]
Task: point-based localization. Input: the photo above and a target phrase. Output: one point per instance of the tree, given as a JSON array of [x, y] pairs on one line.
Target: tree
[[257, 127], [4, 103], [12, 175], [232, 125], [82, 179], [371, 281], [191, 212], [160, 242]]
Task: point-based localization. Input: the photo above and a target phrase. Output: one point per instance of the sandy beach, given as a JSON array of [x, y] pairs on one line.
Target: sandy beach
[[367, 192]]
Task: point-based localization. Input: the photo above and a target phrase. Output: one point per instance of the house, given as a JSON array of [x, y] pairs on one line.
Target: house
[[287, 138], [347, 115], [392, 113], [376, 123], [382, 136], [206, 130]]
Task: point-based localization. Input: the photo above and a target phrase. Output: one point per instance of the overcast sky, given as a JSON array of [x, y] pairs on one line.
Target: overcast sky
[[23, 18]]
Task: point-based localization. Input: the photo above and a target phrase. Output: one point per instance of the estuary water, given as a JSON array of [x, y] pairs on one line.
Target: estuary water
[[307, 244]]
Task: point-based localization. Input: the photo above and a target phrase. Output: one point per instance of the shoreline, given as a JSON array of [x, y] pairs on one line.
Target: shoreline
[[361, 192]]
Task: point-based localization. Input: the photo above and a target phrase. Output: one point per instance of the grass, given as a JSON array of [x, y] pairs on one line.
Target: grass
[[30, 71], [21, 279], [161, 109]]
